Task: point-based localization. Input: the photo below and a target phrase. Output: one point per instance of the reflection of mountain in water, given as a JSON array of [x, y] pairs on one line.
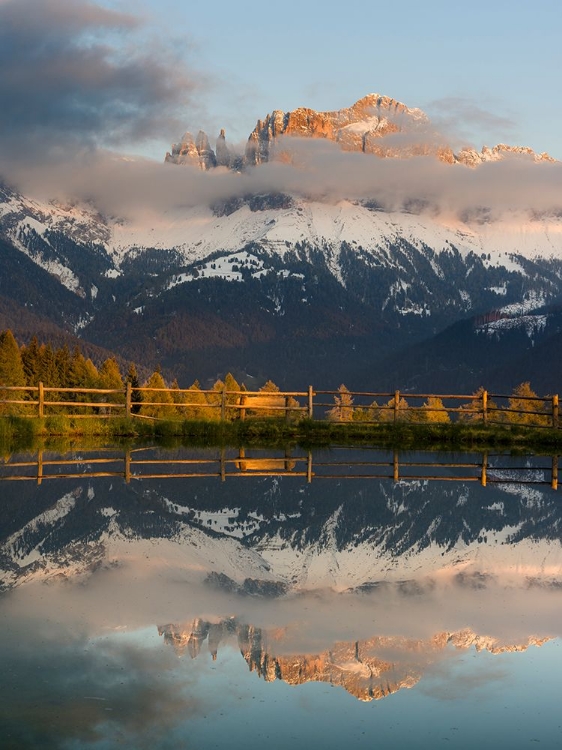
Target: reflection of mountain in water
[[369, 669], [330, 532]]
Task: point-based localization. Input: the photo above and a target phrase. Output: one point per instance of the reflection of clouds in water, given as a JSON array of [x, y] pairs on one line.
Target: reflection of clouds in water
[[61, 687], [444, 680]]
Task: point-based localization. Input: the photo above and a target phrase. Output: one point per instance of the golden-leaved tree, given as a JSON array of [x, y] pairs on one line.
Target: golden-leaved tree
[[526, 408], [157, 403], [432, 411], [195, 403], [342, 411], [403, 411]]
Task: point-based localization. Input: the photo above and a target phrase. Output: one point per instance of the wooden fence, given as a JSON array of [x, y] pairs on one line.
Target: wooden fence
[[339, 406], [345, 464]]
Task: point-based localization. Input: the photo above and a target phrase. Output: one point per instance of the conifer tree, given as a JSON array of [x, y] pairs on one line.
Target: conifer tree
[[523, 404], [31, 360], [431, 411], [136, 395], [343, 409], [178, 397], [157, 403], [403, 411], [11, 372], [269, 388], [215, 399], [49, 373], [473, 411], [110, 378], [231, 384], [63, 365], [195, 401], [82, 374], [11, 365]]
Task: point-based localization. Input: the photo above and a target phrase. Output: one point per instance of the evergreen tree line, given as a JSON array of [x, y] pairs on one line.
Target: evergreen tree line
[[34, 363]]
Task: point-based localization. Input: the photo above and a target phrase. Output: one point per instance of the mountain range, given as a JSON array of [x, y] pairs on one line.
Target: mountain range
[[320, 253]]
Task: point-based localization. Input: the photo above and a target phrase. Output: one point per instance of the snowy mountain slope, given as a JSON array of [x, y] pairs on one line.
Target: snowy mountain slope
[[199, 232], [315, 232], [276, 281]]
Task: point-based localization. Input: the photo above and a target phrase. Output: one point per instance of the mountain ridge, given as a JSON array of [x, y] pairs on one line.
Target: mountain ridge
[[363, 127], [278, 277]]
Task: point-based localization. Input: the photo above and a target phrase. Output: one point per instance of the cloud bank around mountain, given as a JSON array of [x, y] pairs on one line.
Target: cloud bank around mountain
[[320, 171], [77, 79]]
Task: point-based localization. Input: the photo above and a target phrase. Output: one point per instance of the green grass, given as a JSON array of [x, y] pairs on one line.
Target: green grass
[[31, 432]]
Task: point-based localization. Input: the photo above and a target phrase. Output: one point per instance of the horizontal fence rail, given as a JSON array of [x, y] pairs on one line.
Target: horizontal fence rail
[[337, 406], [225, 464]]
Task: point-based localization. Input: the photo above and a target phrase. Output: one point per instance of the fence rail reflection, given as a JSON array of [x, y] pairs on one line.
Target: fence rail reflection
[[135, 465]]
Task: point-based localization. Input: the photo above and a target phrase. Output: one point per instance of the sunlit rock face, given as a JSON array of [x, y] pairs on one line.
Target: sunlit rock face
[[471, 158], [364, 127], [369, 669], [196, 152], [355, 128]]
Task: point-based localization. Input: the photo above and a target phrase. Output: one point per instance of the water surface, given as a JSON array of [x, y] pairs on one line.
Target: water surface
[[283, 599]]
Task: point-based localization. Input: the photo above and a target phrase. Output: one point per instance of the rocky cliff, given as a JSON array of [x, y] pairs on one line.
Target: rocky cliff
[[364, 127]]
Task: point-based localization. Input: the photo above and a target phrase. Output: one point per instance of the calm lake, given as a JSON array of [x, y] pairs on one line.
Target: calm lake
[[207, 598]]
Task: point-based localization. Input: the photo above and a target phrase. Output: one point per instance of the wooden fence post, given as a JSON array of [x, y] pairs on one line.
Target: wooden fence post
[[287, 412], [554, 472], [223, 465], [484, 475], [243, 405], [485, 407], [310, 401], [128, 396], [39, 467], [396, 402], [41, 400], [555, 412], [309, 468], [395, 466], [127, 465]]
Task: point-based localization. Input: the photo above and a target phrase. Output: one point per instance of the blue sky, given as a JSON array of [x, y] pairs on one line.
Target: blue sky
[[488, 70], [83, 79]]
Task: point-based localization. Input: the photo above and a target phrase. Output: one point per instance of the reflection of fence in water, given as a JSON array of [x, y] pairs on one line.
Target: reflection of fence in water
[[133, 465]]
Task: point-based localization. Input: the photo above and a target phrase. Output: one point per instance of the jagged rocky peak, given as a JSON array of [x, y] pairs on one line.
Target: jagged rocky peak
[[355, 128], [472, 158], [223, 155], [194, 151], [362, 127]]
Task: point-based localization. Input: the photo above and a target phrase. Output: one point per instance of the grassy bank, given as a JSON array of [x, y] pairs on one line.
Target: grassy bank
[[29, 433]]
